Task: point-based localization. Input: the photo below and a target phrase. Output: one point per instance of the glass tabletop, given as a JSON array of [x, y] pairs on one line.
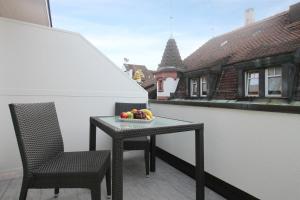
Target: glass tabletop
[[157, 122]]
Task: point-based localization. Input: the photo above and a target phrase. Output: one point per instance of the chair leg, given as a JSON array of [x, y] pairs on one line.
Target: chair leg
[[146, 156], [24, 190], [56, 191], [108, 182], [96, 193]]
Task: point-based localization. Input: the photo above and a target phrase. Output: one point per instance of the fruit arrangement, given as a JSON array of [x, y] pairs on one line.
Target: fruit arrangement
[[137, 114]]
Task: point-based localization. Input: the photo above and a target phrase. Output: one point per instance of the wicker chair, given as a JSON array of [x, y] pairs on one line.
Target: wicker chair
[[138, 143], [45, 164]]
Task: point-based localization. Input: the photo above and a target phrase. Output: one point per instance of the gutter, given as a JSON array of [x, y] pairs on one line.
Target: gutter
[[49, 13]]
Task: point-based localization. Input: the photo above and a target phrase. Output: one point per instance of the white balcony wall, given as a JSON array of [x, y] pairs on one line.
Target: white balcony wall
[[255, 151], [40, 64]]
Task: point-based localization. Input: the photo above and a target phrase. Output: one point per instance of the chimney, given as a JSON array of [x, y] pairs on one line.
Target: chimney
[[249, 16], [294, 13]]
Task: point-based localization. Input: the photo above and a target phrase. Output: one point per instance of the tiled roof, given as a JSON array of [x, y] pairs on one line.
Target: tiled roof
[[135, 67], [149, 80], [171, 56], [148, 73], [274, 35]]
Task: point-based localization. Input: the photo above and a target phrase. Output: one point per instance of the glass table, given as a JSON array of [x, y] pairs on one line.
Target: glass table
[[120, 130]]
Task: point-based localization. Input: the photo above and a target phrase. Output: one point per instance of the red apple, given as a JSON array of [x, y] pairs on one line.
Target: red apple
[[124, 115]]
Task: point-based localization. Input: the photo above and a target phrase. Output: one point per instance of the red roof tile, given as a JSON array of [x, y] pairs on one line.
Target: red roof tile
[[274, 35]]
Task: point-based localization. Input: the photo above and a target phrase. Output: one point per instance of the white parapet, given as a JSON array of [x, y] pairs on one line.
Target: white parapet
[[41, 64], [257, 152]]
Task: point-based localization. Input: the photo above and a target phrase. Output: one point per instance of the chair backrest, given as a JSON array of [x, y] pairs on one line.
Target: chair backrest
[[38, 133], [123, 107]]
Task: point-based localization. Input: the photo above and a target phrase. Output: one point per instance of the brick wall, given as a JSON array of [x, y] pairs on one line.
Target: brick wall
[[166, 74], [162, 98], [227, 85]]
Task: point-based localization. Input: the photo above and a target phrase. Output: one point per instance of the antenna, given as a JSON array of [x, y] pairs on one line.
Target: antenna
[[171, 18]]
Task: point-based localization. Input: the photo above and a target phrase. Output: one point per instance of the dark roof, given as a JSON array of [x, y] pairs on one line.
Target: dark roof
[[171, 56], [135, 67], [274, 35]]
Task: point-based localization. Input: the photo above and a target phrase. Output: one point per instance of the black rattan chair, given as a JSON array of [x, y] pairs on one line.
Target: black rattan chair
[[138, 143], [45, 164]]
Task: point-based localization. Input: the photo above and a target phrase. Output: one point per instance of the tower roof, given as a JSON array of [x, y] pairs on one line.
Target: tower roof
[[171, 57]]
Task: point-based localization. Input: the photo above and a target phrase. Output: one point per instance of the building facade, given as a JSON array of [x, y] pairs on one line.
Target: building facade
[[258, 61]]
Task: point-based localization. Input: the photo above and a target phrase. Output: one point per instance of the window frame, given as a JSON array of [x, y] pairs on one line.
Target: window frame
[[201, 86], [191, 88], [267, 76], [246, 75]]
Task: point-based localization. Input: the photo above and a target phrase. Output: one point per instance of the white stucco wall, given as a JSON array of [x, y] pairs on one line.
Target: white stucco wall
[[255, 151], [170, 85], [40, 64]]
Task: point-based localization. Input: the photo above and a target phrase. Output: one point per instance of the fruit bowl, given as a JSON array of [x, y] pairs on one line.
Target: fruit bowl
[[136, 120], [135, 115]]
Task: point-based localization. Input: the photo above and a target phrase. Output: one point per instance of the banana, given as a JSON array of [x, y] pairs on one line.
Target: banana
[[147, 112]]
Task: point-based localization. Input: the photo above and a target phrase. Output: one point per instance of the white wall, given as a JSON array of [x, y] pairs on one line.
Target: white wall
[[258, 152], [169, 86], [39, 64]]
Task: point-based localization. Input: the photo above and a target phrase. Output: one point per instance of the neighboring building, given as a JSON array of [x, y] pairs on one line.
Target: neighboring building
[[144, 77], [169, 71], [259, 60]]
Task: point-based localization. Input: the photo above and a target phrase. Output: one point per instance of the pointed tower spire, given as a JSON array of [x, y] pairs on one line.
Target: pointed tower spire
[[171, 57]]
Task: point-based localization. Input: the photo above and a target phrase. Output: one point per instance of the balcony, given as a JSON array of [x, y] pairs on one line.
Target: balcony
[[248, 154], [166, 183]]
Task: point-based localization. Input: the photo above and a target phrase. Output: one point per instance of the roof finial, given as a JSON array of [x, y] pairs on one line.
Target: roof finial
[[171, 19]]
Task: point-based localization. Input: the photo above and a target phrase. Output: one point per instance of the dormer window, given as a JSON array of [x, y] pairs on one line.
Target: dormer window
[[252, 84], [273, 82], [198, 87], [194, 87]]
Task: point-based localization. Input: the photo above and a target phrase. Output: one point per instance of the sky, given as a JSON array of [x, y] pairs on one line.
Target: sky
[[139, 29]]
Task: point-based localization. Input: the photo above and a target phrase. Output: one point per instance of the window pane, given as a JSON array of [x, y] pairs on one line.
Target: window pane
[[271, 71], [253, 84], [278, 71], [204, 88], [160, 86], [274, 85], [194, 87]]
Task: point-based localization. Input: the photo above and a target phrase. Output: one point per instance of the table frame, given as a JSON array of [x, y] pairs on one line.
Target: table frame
[[117, 150]]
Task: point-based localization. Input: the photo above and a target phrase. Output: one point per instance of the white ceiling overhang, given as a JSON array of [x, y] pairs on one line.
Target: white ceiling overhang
[[32, 11]]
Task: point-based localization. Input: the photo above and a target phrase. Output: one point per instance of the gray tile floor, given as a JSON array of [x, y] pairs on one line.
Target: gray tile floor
[[166, 184]]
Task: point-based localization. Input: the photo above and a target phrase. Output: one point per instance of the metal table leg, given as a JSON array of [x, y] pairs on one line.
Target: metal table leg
[[199, 153], [92, 145], [117, 169], [152, 153]]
